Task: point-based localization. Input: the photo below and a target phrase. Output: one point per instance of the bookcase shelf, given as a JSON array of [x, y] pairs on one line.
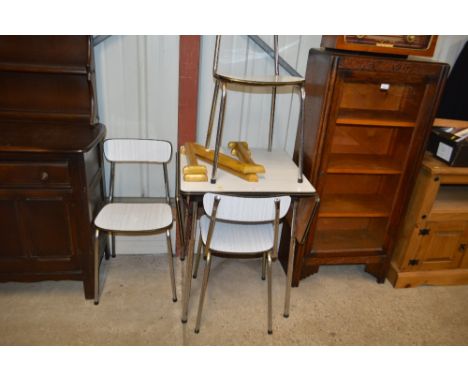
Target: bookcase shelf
[[363, 164], [358, 205], [370, 118], [335, 241]]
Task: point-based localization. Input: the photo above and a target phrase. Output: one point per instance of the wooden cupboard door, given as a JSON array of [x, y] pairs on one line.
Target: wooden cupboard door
[[48, 223], [443, 246], [11, 244], [39, 233]]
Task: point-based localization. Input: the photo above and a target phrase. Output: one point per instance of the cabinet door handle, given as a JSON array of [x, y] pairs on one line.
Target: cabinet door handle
[[462, 247], [44, 176]]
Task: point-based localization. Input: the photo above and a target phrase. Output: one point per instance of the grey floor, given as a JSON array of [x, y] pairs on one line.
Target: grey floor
[[341, 305]]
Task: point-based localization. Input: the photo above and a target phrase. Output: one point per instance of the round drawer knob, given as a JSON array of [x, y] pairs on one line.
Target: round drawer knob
[[410, 39], [44, 176]]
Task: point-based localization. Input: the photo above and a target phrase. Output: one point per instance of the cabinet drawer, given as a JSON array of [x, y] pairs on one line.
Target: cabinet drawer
[[38, 174]]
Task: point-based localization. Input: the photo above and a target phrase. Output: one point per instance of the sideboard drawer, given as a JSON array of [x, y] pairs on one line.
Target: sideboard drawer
[[38, 174]]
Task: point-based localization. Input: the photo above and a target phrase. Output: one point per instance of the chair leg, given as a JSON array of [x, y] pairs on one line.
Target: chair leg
[[292, 249], [180, 223], [270, 314], [197, 258], [264, 261], [113, 245], [203, 290], [107, 249], [171, 264], [96, 267], [189, 264], [219, 133], [272, 118], [212, 114], [301, 134]]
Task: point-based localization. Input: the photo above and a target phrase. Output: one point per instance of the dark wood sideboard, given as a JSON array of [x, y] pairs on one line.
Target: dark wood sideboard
[[50, 159], [367, 121]]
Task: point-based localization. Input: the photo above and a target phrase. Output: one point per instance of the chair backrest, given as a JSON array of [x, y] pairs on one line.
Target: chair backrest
[[137, 150], [245, 210], [130, 150], [218, 45]]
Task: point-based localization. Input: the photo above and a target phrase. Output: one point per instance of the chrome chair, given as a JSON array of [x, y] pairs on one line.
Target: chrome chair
[[135, 218], [273, 81], [241, 226]]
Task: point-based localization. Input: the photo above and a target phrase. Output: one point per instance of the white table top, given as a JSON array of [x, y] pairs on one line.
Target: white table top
[[280, 177]]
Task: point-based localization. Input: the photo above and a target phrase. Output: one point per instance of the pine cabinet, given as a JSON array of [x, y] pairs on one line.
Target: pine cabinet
[[366, 124], [432, 246]]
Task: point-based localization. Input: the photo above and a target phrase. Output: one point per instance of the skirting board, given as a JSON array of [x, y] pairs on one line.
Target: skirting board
[[440, 277]]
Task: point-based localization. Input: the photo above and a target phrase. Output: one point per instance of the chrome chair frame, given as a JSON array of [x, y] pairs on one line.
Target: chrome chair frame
[[267, 259], [111, 232], [221, 81]]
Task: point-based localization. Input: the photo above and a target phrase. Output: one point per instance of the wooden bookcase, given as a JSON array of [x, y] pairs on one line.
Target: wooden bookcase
[[366, 124], [432, 246]]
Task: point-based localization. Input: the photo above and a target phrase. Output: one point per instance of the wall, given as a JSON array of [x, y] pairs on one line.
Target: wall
[[137, 85], [448, 48]]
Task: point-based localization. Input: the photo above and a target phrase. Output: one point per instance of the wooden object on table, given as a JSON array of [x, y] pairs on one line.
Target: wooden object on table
[[227, 161], [50, 159], [245, 170], [242, 152], [193, 172], [248, 177], [404, 45], [367, 123], [432, 246], [193, 167]]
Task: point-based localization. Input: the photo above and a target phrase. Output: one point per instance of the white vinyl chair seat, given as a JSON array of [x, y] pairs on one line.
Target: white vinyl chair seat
[[238, 238], [134, 217]]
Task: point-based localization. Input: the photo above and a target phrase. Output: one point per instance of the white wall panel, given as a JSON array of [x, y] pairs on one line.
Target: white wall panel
[[137, 86]]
